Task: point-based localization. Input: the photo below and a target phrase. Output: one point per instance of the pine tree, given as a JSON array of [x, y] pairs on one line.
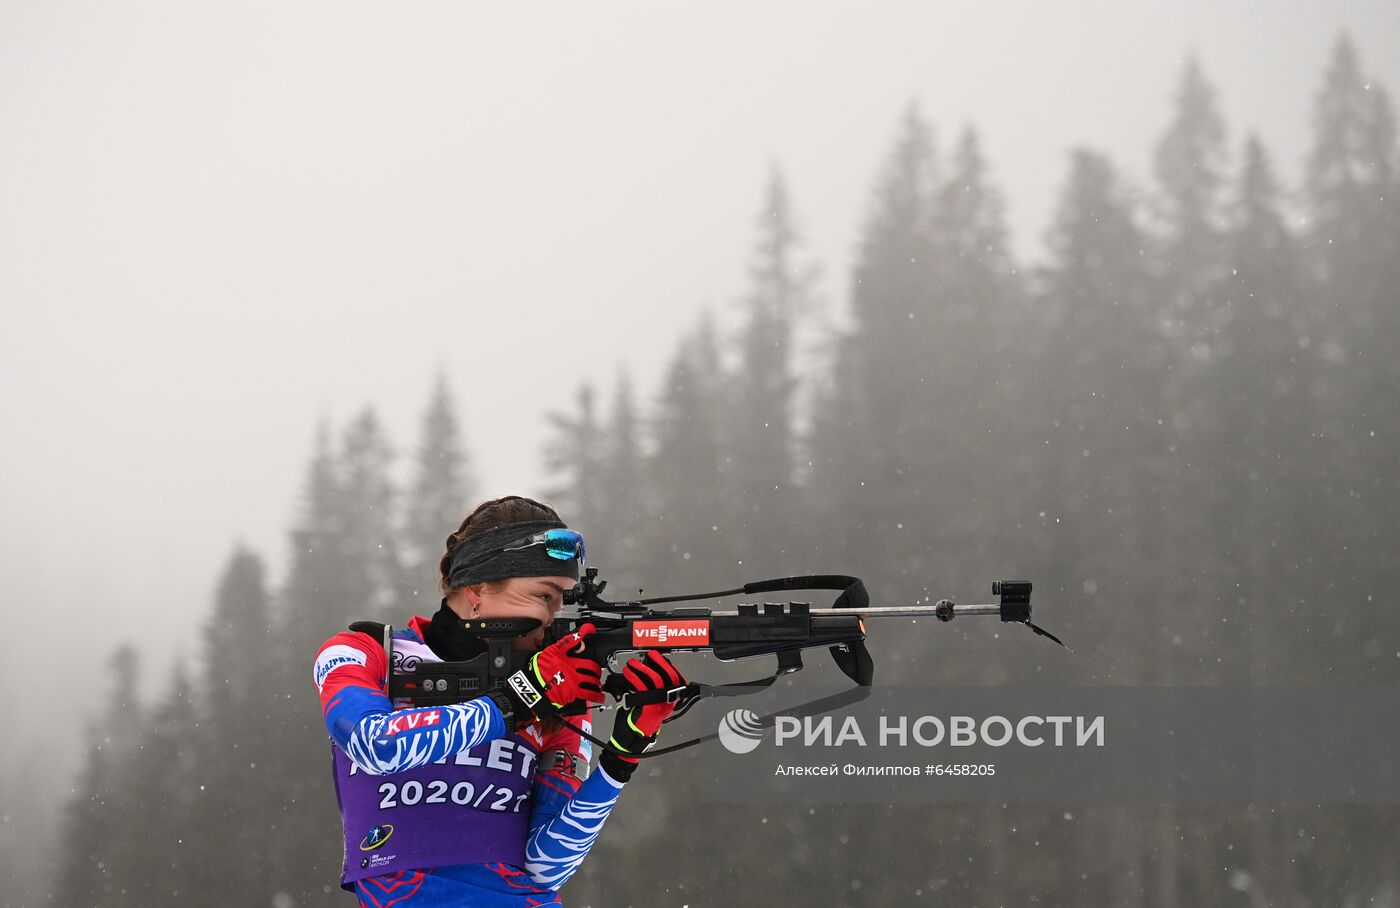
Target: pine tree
[[976, 271], [1263, 379], [441, 495], [1191, 170], [1354, 238], [1100, 454], [237, 636], [762, 423], [966, 407], [369, 538], [321, 596], [602, 485], [839, 461], [104, 807], [1099, 402], [312, 599], [689, 468], [239, 697], [163, 847], [866, 447], [574, 459], [355, 579], [629, 494], [966, 419], [1351, 176], [1264, 382]]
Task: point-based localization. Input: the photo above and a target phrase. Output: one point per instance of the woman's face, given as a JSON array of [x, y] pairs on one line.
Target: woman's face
[[522, 597]]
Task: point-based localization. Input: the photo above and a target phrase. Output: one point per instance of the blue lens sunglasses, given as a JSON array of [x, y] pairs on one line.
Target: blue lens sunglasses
[[564, 545]]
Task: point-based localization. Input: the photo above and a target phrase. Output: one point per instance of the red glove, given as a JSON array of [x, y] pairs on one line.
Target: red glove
[[651, 671], [635, 730], [559, 674], [564, 674]]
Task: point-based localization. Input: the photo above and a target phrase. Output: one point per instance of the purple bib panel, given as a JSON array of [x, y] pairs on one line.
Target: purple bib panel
[[470, 808]]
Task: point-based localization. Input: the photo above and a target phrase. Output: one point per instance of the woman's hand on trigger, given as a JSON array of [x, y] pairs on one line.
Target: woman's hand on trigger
[[563, 674]]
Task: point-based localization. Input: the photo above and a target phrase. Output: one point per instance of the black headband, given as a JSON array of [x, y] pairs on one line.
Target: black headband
[[481, 557]]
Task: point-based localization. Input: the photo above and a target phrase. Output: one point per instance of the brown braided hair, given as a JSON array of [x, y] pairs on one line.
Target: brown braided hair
[[489, 515]]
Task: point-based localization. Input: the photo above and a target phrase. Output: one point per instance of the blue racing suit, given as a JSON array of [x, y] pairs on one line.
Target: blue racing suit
[[441, 805]]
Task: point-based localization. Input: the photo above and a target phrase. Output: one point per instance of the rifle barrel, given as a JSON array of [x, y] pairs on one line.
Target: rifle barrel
[[899, 611]]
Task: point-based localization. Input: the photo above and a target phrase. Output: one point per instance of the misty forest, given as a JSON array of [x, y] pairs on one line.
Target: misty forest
[[1180, 423]]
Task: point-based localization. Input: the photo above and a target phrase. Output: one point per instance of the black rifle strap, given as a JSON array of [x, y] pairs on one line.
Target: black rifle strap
[[789, 661], [373, 628], [810, 708], [852, 658], [853, 594]]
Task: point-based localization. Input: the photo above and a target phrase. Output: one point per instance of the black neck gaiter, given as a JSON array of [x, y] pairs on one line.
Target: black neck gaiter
[[447, 638]]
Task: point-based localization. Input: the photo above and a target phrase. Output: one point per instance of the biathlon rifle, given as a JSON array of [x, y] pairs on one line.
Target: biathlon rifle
[[751, 629]]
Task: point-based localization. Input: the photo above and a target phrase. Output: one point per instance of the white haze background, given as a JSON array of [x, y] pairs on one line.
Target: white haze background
[[223, 223]]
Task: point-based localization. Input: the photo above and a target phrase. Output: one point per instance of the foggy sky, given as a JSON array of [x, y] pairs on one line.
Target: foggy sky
[[222, 224]]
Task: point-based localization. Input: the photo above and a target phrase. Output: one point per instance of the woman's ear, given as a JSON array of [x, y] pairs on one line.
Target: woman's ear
[[470, 596]]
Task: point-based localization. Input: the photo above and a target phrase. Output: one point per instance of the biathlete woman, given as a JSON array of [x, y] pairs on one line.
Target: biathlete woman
[[486, 802]]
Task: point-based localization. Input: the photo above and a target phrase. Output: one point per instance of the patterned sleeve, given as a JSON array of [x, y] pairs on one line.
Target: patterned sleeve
[[380, 740], [570, 807]]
